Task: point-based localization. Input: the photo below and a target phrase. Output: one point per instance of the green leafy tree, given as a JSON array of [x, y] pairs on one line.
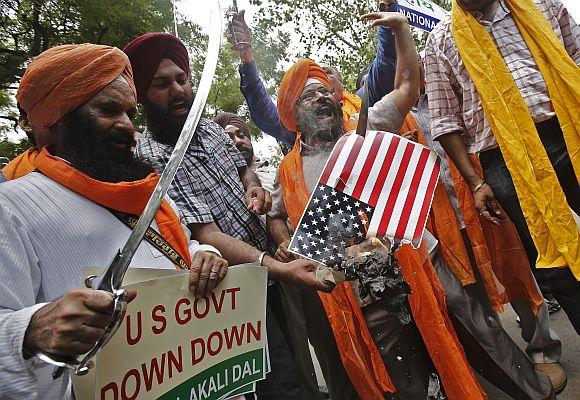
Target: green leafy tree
[[332, 31], [270, 51], [28, 27], [10, 149]]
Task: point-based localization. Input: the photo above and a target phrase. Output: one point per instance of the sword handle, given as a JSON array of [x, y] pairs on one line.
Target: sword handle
[[83, 366], [236, 45], [120, 308]]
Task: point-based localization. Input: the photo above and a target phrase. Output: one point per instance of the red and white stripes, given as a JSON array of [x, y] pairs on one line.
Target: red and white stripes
[[390, 173]]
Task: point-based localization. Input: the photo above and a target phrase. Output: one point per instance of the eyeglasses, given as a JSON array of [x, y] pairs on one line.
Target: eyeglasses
[[325, 92]]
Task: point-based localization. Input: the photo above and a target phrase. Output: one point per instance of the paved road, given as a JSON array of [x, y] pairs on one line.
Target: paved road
[[570, 354]]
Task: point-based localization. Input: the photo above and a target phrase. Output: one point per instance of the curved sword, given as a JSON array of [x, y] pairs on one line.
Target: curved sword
[[111, 279]]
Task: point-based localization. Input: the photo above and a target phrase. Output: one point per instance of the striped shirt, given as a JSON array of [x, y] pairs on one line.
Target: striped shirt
[[207, 187], [47, 235], [454, 103]]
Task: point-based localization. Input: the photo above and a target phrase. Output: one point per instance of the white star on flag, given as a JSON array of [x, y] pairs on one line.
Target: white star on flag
[[376, 186]]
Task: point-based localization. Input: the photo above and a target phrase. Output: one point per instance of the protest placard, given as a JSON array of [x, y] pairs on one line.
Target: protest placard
[[173, 346], [422, 14]]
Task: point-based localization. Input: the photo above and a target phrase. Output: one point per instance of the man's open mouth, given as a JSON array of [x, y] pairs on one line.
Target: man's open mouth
[[122, 142], [324, 112], [179, 108]]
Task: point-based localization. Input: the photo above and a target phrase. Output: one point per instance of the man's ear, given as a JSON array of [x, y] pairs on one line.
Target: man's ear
[[24, 124]]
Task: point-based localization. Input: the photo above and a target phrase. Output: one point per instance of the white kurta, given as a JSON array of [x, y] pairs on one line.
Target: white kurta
[[48, 233]]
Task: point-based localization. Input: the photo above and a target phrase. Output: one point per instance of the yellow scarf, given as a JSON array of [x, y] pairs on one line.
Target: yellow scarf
[[547, 214]]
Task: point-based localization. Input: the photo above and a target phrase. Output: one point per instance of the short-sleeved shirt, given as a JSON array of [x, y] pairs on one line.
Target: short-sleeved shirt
[[207, 187], [455, 104]]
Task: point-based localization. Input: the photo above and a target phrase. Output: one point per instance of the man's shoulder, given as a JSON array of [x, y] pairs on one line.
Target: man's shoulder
[[441, 31], [211, 129], [147, 146], [24, 184], [30, 193]]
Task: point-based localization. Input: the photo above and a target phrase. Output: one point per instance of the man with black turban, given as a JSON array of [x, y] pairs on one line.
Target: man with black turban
[[219, 196]]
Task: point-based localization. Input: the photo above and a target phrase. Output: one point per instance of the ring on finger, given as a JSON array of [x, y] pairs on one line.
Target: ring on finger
[[214, 273]]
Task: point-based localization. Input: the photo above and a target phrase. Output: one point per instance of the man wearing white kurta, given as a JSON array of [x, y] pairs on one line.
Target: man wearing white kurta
[[59, 219]]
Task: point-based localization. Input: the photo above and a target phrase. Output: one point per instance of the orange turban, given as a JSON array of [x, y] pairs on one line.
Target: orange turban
[[64, 77], [292, 86]]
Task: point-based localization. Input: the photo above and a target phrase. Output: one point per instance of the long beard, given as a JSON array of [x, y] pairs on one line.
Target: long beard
[[164, 127], [84, 146], [316, 131]]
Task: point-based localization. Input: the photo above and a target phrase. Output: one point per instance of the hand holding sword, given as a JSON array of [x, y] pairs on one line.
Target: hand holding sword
[[83, 316], [71, 325], [240, 36]]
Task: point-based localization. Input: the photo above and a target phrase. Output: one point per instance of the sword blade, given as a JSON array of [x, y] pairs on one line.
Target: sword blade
[[112, 278]]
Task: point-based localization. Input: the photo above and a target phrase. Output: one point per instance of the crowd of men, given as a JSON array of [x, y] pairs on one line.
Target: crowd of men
[[496, 95]]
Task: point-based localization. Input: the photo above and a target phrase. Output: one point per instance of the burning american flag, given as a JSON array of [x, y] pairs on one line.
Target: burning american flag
[[373, 186]]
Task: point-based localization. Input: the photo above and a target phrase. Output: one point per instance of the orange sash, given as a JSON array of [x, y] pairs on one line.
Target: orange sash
[[21, 165], [498, 251], [358, 351], [498, 246], [351, 104], [127, 197]]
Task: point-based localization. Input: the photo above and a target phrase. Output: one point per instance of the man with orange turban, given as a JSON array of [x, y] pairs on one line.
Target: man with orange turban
[[369, 338], [263, 111], [82, 98], [36, 117]]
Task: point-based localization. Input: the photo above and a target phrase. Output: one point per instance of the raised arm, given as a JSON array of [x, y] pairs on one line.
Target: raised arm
[[406, 86], [381, 75], [263, 111]]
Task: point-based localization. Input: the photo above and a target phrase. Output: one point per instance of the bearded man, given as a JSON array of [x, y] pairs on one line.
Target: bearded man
[[263, 111], [218, 195], [239, 132], [306, 105], [68, 214]]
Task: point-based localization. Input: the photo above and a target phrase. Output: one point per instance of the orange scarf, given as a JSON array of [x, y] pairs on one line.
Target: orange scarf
[[358, 351], [21, 165], [498, 246], [498, 251], [351, 104], [127, 197]]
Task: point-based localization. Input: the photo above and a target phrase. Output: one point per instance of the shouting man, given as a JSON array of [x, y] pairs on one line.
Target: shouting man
[[219, 197]]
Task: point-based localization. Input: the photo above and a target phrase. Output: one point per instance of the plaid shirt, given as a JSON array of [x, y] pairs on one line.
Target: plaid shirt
[[454, 103], [207, 186]]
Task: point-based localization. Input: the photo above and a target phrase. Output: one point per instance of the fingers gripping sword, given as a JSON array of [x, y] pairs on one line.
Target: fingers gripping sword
[[111, 279], [237, 45]]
